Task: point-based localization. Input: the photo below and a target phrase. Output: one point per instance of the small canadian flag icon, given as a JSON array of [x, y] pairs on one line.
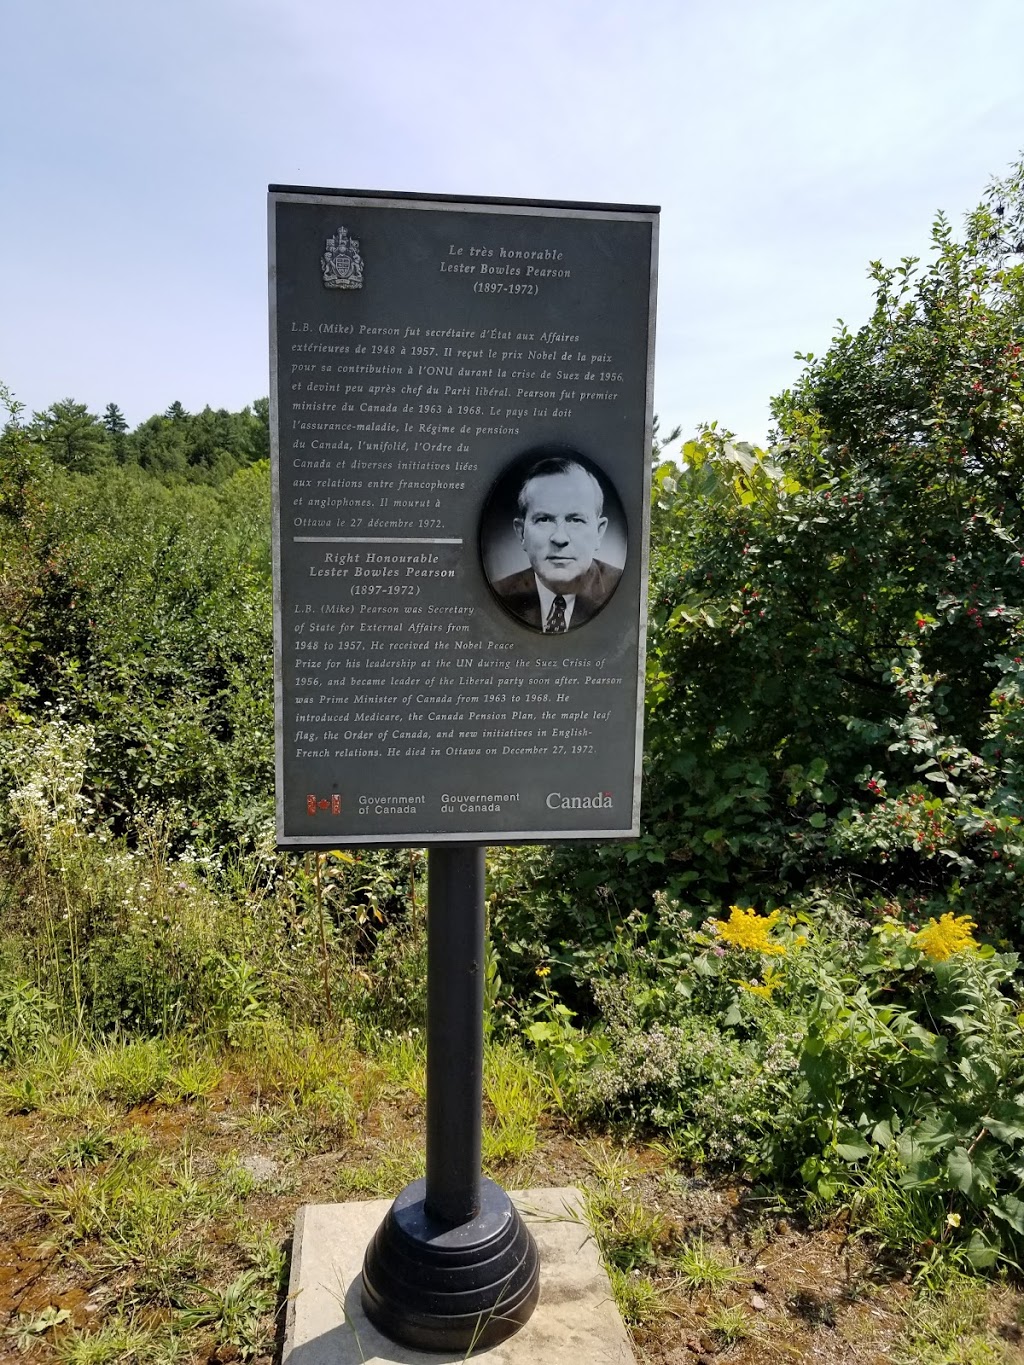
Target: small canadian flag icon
[[315, 804]]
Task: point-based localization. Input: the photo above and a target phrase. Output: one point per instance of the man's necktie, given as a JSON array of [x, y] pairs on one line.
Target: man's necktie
[[555, 624]]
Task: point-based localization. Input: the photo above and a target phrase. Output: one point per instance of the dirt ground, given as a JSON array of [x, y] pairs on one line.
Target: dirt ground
[[788, 1293]]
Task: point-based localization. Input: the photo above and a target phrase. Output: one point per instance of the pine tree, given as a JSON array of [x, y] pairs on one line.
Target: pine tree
[[72, 436], [114, 420], [116, 426]]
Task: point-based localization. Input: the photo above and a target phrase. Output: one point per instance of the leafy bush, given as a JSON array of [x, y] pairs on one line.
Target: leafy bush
[[144, 612], [817, 1053], [26, 1017], [106, 935], [836, 644]]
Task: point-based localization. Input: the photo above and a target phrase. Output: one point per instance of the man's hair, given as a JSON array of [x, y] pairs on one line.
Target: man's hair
[[558, 464]]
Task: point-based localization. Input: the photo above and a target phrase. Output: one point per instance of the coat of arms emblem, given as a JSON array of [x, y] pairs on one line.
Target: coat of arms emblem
[[341, 262]]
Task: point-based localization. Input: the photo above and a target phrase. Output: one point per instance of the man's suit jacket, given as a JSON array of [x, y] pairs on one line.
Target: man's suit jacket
[[519, 594]]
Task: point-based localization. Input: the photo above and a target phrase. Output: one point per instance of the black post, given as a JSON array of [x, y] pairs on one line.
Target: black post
[[455, 1037], [453, 1266]]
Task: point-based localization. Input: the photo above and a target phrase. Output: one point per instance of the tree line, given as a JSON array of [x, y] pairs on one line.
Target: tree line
[[203, 447]]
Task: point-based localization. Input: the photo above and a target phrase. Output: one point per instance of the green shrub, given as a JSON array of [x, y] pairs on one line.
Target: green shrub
[[884, 1068], [145, 617], [835, 628]]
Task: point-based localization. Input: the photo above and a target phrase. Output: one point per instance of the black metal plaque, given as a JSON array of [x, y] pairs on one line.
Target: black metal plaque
[[461, 434]]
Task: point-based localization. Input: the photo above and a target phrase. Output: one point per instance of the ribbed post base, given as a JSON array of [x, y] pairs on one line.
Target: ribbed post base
[[437, 1287]]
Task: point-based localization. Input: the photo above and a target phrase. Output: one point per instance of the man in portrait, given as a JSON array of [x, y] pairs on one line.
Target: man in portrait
[[560, 524]]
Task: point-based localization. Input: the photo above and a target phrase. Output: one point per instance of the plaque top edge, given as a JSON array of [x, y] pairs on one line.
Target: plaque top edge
[[474, 199]]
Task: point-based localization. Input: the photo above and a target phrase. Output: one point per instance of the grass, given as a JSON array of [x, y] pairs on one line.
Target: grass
[[614, 1168], [66, 1079], [515, 1098], [402, 1058], [137, 1207], [950, 1327], [194, 1080], [129, 1072], [84, 1149], [45, 1079], [292, 1065], [235, 1314], [637, 1297], [262, 1248], [311, 1089], [154, 1208], [382, 1175], [123, 1341], [731, 1323], [630, 1232], [700, 1266], [159, 1283]]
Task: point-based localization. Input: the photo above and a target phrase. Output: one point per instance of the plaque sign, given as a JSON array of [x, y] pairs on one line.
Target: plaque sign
[[461, 430]]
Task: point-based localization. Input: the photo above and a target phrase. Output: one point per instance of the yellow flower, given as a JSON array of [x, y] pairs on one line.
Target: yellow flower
[[941, 938], [748, 929], [543, 971], [765, 991], [953, 1220], [764, 988], [800, 941]]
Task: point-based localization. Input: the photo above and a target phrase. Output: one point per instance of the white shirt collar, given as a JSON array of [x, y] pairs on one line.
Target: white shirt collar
[[547, 597]]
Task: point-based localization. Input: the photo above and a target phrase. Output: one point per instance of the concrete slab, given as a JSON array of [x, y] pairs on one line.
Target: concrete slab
[[576, 1320]]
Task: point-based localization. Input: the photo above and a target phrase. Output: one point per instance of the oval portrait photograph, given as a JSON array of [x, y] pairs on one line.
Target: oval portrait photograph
[[553, 539]]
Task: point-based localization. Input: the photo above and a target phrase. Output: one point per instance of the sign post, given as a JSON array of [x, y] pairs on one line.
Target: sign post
[[453, 1265], [461, 434]]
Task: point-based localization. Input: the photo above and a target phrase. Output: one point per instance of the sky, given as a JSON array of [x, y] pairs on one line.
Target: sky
[[788, 143]]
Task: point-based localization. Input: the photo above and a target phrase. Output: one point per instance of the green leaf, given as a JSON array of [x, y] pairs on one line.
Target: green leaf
[[929, 1136], [851, 1145], [919, 1174], [1011, 1210], [1006, 1123], [882, 1133], [981, 1252], [820, 1072], [960, 1169], [810, 1170]]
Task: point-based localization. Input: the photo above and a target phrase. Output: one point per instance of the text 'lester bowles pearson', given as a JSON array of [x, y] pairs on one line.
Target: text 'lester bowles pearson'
[[508, 261], [334, 560]]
